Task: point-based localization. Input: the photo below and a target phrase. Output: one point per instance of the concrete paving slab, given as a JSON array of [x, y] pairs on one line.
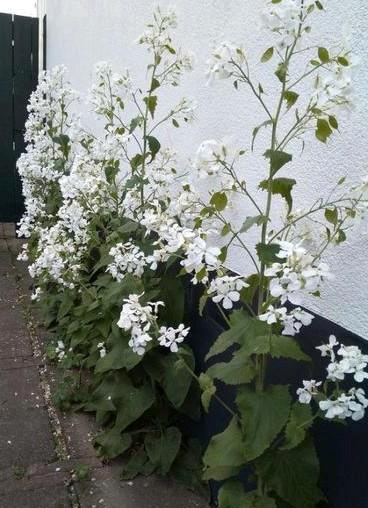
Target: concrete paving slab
[[20, 389], [57, 497], [25, 437], [14, 339], [105, 490]]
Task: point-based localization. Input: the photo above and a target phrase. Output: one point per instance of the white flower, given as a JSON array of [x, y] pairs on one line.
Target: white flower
[[127, 258], [226, 290], [348, 405], [101, 349], [328, 349], [310, 388], [283, 19], [138, 319], [292, 321], [225, 60], [297, 275], [199, 256], [273, 315], [209, 158], [170, 337]]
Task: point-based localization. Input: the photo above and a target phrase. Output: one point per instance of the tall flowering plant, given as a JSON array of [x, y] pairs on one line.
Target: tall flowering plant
[[116, 308], [268, 431]]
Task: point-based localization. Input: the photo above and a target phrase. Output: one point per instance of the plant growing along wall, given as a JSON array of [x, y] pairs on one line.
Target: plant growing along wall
[[113, 228]]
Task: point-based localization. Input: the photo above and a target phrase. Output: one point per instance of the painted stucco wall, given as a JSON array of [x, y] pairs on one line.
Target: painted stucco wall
[[81, 32]]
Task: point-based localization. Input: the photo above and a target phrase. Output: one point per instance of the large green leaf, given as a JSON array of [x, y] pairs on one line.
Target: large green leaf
[[112, 443], [300, 420], [232, 495], [243, 328], [120, 356], [225, 453], [293, 474], [278, 159], [283, 346], [132, 402], [263, 414], [162, 449], [240, 369], [281, 186]]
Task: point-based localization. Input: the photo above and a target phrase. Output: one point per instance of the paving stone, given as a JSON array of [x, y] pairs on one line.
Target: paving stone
[[14, 339], [105, 490], [20, 389], [8, 290], [57, 497], [25, 437]]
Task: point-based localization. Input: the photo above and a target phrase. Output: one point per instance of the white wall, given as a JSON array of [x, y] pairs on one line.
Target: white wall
[[81, 32], [19, 7]]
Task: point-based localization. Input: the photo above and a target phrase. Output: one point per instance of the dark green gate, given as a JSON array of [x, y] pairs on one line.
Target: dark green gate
[[18, 77]]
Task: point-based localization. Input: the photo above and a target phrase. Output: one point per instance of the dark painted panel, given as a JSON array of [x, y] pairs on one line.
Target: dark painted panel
[[342, 449], [6, 28]]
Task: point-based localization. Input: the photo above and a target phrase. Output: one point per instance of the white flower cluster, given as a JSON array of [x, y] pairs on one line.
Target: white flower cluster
[[290, 281], [48, 129], [101, 348], [345, 360], [109, 89], [297, 275], [351, 361], [225, 61], [334, 88], [226, 290], [127, 258], [141, 321], [60, 350], [158, 40], [292, 321], [283, 18]]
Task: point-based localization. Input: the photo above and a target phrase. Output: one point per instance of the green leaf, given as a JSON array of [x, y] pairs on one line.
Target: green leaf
[[177, 379], [287, 347], [112, 443], [151, 103], [333, 122], [132, 402], [341, 236], [281, 186], [278, 159], [267, 252], [120, 356], [281, 72], [263, 415], [267, 55], [225, 230], [224, 454], [251, 221], [323, 131], [323, 55], [137, 464], [331, 215], [219, 201], [135, 122], [291, 98], [343, 61], [154, 146], [202, 303], [163, 449], [319, 5], [240, 369], [172, 294], [232, 495], [154, 85], [251, 333], [293, 475], [208, 390], [257, 129], [300, 420]]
